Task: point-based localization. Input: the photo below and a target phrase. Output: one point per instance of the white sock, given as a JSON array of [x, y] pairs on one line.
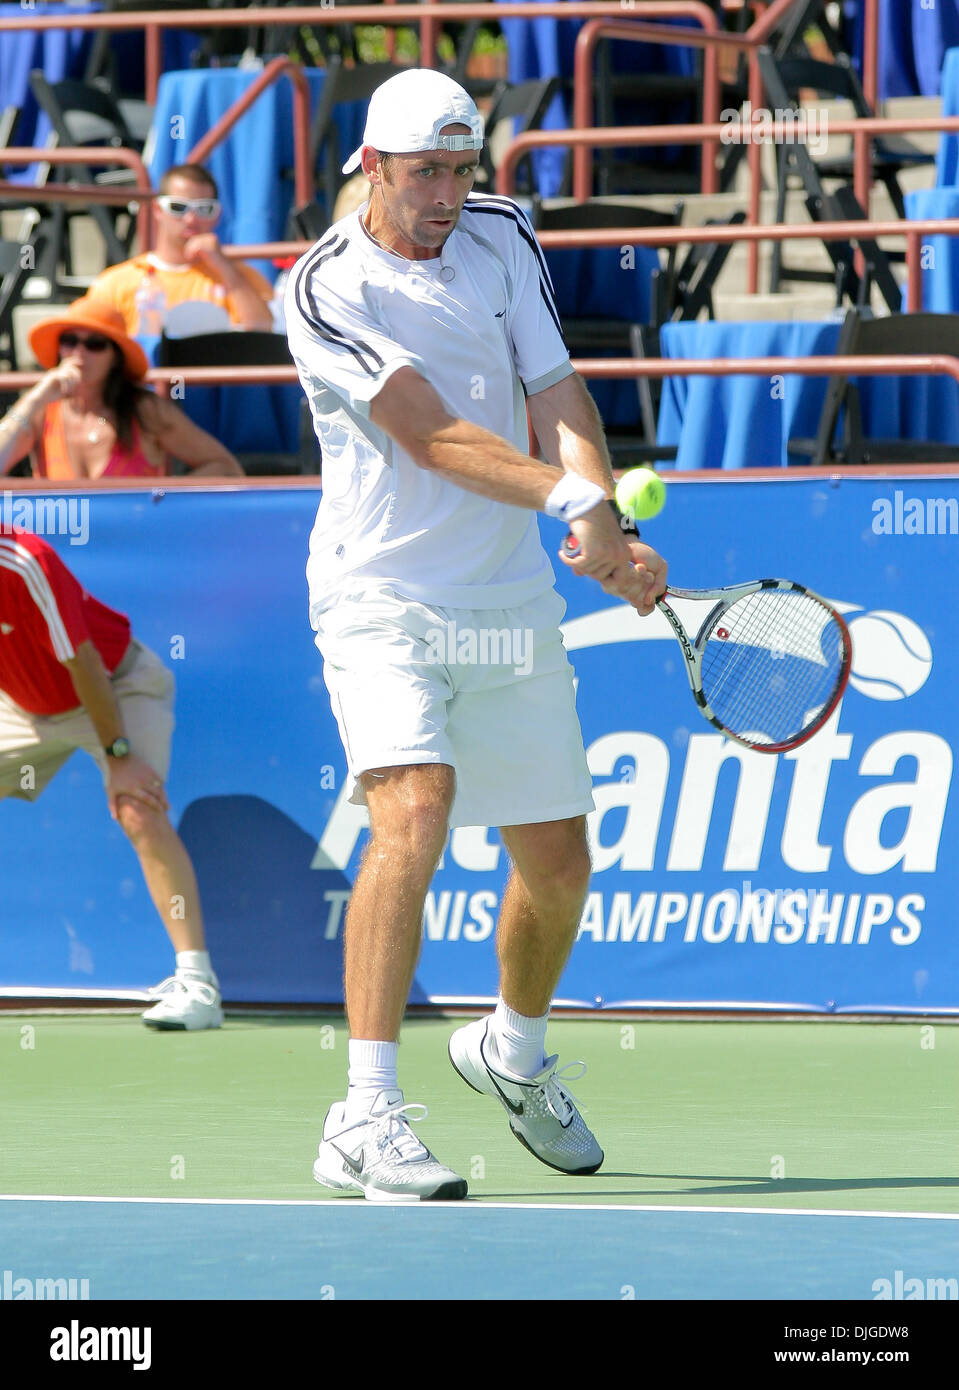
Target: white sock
[[195, 965], [372, 1069], [519, 1041]]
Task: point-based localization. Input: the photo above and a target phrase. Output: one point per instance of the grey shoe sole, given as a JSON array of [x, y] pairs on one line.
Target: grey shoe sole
[[452, 1191]]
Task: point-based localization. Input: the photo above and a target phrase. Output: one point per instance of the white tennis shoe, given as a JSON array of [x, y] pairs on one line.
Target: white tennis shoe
[[381, 1157], [542, 1110], [184, 1003]]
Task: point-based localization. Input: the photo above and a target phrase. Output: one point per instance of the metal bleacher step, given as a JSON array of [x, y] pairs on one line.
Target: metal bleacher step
[[799, 300], [816, 302]]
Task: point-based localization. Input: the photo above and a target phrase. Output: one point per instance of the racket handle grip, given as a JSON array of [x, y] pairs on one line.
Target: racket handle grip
[[627, 525]]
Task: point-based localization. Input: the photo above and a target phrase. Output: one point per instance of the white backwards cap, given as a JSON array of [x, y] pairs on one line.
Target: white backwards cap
[[407, 113]]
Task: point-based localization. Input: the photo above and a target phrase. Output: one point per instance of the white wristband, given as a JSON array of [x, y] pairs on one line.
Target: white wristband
[[573, 497]]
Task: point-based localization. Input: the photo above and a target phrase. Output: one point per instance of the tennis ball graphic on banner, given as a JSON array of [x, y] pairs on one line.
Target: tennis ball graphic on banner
[[891, 656]]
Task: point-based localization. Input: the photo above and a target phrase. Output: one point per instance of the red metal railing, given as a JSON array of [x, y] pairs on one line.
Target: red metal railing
[[93, 154], [753, 231], [750, 42], [913, 232], [302, 162], [734, 477], [614, 368], [586, 42], [428, 17]]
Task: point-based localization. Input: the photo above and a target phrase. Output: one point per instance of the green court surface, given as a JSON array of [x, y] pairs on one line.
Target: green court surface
[[824, 1115]]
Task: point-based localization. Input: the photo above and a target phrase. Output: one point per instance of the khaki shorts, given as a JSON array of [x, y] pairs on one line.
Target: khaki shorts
[[488, 692], [33, 747]]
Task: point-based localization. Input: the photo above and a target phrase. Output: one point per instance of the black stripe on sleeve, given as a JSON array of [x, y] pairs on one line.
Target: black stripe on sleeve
[[491, 205], [309, 307]]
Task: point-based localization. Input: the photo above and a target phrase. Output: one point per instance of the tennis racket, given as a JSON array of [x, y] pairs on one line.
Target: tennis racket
[[767, 661]]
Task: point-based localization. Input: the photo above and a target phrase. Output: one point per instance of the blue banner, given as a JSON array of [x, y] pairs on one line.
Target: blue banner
[[821, 880]]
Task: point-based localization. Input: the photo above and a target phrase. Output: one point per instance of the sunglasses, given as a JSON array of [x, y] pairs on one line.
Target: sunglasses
[[93, 343], [206, 208]]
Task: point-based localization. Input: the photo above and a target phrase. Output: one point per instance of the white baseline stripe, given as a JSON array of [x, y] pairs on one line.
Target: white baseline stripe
[[475, 1205]]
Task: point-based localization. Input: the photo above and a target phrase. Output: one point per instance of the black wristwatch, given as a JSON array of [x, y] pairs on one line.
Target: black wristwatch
[[119, 748], [626, 523]]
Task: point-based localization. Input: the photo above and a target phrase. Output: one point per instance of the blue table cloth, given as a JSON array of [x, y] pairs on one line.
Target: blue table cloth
[[947, 156], [544, 47], [747, 421], [253, 166], [59, 53], [913, 38], [740, 421], [940, 254]]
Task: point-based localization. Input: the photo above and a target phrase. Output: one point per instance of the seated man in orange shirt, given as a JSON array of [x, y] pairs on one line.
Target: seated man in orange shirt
[[187, 263]]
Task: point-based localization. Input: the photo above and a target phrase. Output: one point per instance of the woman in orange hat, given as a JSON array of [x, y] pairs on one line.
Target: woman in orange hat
[[89, 416]]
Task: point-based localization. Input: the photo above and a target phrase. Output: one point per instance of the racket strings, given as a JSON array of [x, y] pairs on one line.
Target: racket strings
[[772, 661]]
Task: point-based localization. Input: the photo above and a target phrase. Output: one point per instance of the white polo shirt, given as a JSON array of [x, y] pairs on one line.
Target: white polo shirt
[[479, 322]]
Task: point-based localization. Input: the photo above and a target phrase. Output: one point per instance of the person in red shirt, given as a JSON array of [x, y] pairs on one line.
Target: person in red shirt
[[72, 675]]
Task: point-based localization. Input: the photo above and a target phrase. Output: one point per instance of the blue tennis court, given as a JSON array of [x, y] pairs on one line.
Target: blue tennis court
[[351, 1249]]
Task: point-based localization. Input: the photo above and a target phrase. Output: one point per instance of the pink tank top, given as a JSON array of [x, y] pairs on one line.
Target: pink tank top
[[53, 457]]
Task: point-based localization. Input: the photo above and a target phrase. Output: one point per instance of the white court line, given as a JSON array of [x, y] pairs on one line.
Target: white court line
[[475, 1205]]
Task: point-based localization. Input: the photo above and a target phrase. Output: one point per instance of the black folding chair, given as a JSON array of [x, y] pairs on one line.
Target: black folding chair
[[247, 349], [343, 84], [83, 114], [527, 104], [18, 261], [862, 336], [684, 292], [843, 206], [784, 80], [307, 223]]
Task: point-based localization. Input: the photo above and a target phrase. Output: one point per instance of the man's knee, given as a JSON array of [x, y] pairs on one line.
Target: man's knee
[[572, 867], [411, 806], [554, 859]]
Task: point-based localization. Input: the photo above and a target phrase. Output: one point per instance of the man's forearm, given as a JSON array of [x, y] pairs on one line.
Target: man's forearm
[[409, 410], [253, 312], [95, 693], [569, 430], [482, 462]]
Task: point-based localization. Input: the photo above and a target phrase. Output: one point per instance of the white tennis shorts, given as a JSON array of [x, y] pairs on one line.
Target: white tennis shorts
[[33, 747], [489, 692]]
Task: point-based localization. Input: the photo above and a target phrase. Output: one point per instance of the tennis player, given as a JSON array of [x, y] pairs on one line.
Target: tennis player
[[423, 327], [73, 676]]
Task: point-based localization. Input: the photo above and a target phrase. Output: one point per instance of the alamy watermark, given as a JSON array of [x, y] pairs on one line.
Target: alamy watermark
[[14, 1287], [783, 126], [900, 515], [76, 1343], [454, 645], [904, 1288], [47, 516]]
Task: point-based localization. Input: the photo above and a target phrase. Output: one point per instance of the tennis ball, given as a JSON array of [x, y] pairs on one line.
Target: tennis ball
[[640, 493]]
